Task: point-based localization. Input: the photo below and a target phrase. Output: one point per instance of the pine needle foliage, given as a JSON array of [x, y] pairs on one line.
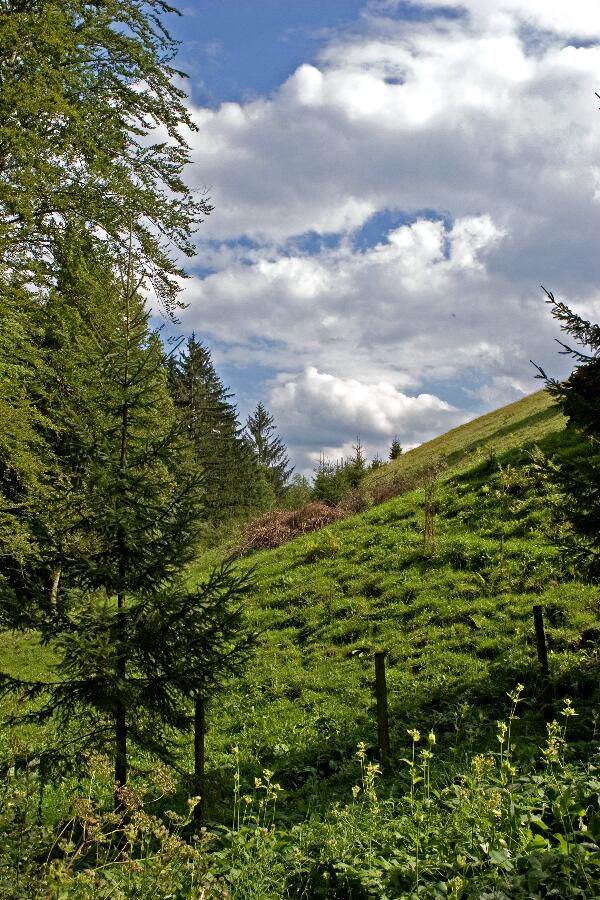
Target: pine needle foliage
[[577, 476], [125, 515], [334, 481], [178, 643], [24, 456], [231, 478], [395, 449], [101, 492], [126, 509], [269, 449]]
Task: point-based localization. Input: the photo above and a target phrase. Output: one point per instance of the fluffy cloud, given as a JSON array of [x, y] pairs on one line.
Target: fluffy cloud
[[578, 18], [482, 130], [318, 411], [416, 118], [382, 312]]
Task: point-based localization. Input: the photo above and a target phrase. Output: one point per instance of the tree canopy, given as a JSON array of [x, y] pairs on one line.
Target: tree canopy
[[101, 495], [231, 477], [92, 133]]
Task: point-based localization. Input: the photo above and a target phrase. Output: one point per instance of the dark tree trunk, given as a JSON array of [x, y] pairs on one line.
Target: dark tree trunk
[[199, 757], [120, 714], [120, 710]]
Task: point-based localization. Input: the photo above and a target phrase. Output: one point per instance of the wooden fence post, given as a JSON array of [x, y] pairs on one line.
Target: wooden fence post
[[383, 731], [199, 757], [540, 639]]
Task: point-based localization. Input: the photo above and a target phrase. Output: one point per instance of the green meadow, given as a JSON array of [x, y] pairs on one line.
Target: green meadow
[[483, 796], [453, 613]]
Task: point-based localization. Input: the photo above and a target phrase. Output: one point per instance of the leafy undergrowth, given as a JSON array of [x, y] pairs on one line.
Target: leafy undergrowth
[[496, 828]]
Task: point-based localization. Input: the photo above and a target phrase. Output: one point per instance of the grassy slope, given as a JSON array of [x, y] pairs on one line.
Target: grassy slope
[[455, 618], [517, 425]]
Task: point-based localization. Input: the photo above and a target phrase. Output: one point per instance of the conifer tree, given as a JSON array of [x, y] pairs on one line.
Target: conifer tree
[[355, 467], [395, 448], [330, 482], [100, 489], [231, 478], [269, 449], [334, 481], [577, 474], [142, 511], [24, 457], [83, 88], [132, 519]]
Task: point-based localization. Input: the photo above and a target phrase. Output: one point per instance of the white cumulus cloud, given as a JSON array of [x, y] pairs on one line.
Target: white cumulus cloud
[[451, 165], [324, 409]]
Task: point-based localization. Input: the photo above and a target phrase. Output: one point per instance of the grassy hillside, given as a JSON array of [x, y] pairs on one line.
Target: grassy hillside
[[468, 813], [454, 613], [453, 610], [518, 424]]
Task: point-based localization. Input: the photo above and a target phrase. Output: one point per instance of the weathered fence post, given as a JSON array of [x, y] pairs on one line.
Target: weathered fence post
[[383, 731], [540, 639], [199, 757]]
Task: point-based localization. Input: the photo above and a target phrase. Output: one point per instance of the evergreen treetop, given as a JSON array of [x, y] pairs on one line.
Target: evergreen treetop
[[577, 475], [578, 394], [333, 481], [395, 448], [231, 478], [269, 449]]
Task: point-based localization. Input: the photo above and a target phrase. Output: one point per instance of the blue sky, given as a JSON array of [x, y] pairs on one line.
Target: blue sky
[[237, 49], [392, 182]]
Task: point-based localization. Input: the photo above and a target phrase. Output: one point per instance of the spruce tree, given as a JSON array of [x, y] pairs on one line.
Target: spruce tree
[[334, 481], [330, 482], [395, 448], [231, 478], [100, 489], [78, 317], [24, 456], [355, 467], [130, 493], [142, 510], [269, 449], [576, 474], [298, 493], [84, 87]]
